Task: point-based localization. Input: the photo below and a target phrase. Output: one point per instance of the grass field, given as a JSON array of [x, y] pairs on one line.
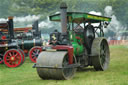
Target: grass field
[[117, 74]]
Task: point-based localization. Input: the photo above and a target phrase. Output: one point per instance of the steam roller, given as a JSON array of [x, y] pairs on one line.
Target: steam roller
[[79, 45], [57, 63]]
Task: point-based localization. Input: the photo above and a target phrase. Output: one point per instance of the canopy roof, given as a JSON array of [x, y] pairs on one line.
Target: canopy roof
[[79, 17]]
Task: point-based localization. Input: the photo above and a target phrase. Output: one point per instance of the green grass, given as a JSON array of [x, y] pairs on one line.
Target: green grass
[[117, 74]]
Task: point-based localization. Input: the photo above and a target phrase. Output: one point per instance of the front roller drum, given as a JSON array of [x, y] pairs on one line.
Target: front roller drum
[[52, 65]]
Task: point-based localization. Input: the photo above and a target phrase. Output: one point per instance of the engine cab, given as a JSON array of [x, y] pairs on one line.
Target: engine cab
[[57, 38]]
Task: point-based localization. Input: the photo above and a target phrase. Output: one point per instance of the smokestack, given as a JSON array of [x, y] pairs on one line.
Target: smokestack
[[35, 26], [10, 29], [63, 9]]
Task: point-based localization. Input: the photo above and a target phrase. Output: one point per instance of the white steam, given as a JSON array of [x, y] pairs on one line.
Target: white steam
[[46, 24], [28, 18], [108, 11], [95, 13], [3, 20], [25, 21], [115, 25]]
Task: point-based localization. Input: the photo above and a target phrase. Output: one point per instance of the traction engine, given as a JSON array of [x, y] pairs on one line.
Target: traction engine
[[80, 44], [10, 53]]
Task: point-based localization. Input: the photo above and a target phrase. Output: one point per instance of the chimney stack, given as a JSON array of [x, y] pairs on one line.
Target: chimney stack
[[10, 29], [63, 9]]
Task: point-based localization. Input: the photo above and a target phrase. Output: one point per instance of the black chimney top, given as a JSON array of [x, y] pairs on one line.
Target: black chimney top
[[63, 5]]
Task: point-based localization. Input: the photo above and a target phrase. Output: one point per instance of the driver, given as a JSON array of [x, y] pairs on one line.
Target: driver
[[90, 32], [89, 35]]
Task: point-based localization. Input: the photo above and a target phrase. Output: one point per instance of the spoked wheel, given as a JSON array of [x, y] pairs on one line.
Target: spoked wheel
[[13, 58], [54, 65], [22, 52], [100, 50], [34, 52]]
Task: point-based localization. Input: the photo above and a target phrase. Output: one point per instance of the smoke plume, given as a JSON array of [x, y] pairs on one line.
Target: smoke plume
[[95, 13], [115, 26], [22, 21], [29, 18], [108, 11], [46, 24]]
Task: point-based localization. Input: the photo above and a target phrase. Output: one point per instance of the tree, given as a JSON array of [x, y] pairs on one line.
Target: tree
[[5, 8], [35, 7]]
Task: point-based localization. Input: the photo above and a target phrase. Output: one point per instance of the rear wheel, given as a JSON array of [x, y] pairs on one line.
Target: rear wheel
[[13, 58], [101, 54], [34, 52], [22, 52]]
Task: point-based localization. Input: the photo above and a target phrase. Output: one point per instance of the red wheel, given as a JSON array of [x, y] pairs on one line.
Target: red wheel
[[13, 58], [22, 52], [1, 60], [34, 52]]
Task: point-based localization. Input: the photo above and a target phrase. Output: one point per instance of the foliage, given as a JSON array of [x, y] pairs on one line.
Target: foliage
[[5, 8], [35, 7]]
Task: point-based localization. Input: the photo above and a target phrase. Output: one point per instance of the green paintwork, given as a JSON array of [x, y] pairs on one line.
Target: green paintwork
[[79, 17], [78, 48]]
